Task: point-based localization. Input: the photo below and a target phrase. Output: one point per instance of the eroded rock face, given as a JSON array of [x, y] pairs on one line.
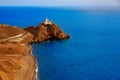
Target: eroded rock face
[[45, 32]]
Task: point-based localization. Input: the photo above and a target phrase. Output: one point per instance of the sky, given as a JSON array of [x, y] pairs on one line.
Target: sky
[[75, 3]]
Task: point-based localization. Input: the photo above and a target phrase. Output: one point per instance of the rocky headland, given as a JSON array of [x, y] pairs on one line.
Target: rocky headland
[[16, 60], [44, 32]]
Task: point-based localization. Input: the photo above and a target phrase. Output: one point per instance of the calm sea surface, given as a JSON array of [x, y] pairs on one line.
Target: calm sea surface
[[92, 52]]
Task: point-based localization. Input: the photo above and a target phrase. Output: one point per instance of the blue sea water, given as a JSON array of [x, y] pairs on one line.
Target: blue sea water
[[92, 52]]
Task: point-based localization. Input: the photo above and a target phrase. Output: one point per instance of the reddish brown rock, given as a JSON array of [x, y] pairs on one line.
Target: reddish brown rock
[[45, 32]]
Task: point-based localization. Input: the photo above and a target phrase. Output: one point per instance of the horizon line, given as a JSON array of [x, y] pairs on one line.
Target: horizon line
[[97, 8]]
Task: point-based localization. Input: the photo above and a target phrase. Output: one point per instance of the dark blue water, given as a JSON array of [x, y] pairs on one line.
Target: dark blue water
[[93, 52]]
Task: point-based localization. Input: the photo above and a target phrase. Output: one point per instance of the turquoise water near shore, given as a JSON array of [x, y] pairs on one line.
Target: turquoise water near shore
[[92, 52]]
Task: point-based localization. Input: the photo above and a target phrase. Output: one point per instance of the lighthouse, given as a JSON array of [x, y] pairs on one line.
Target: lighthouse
[[47, 21]]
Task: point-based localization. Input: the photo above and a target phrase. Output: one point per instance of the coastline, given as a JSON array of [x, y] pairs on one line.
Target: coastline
[[17, 61], [36, 65]]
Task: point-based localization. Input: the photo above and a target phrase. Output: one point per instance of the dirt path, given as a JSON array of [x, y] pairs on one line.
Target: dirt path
[[16, 38]]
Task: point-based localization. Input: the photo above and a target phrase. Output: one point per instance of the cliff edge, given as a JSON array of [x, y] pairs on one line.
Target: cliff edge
[[46, 31]]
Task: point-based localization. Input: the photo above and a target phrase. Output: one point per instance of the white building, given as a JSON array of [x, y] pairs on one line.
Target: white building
[[47, 21]]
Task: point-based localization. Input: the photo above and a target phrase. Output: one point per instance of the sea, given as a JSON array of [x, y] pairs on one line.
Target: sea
[[92, 52]]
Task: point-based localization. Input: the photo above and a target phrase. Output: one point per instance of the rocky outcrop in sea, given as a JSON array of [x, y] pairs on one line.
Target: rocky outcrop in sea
[[45, 32]]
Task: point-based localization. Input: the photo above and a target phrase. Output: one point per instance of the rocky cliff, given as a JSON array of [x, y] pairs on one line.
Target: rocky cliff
[[45, 32], [30, 34]]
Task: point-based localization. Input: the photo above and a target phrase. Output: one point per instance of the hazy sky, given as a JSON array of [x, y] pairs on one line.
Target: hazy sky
[[92, 3]]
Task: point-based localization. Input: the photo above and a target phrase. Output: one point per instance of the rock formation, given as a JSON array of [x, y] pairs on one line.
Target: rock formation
[[45, 32], [16, 61]]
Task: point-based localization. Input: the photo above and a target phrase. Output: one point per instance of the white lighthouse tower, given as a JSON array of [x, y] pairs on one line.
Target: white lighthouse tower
[[47, 21]]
